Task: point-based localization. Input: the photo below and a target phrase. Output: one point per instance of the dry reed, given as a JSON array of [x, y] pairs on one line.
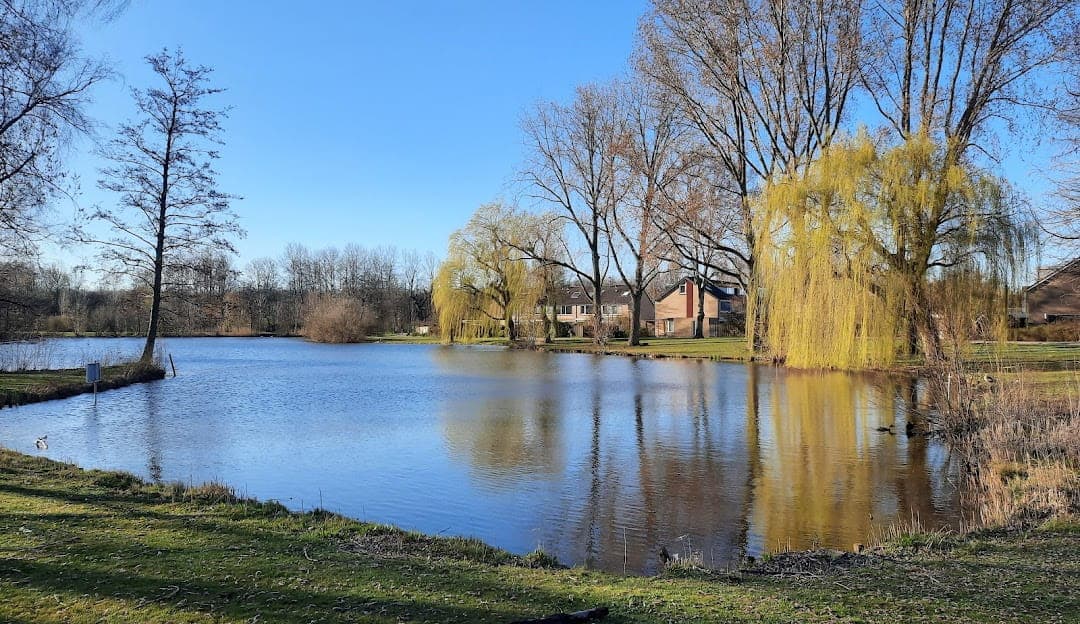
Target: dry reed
[[1020, 447]]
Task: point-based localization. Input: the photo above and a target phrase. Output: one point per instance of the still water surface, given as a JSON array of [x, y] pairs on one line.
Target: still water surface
[[600, 460]]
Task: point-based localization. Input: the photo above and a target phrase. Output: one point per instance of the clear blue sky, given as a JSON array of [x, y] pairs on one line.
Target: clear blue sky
[[367, 122]]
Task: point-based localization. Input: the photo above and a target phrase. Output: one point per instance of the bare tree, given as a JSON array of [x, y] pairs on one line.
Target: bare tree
[[698, 222], [948, 67], [168, 200], [766, 84], [650, 150], [1060, 220], [572, 168], [44, 85]]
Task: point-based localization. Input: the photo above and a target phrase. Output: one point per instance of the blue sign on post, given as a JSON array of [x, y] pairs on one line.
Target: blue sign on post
[[93, 375]]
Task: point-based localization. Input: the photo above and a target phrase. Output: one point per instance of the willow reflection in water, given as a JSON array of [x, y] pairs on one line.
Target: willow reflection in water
[[707, 460]]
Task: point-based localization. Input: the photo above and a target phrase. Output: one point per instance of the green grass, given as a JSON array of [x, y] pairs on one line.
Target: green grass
[[1009, 356], [1045, 383], [726, 348], [21, 387], [90, 546]]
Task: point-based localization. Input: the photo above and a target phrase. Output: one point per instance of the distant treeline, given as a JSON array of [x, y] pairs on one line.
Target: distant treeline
[[384, 290]]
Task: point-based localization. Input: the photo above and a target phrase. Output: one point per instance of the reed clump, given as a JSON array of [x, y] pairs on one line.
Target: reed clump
[[1021, 447]]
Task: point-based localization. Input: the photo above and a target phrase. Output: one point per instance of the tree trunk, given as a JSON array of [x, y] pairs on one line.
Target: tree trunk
[[159, 267], [155, 304], [923, 321], [635, 318], [546, 322], [598, 285], [699, 330]]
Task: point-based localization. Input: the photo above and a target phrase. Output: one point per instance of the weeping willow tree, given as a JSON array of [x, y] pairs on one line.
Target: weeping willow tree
[[872, 253], [485, 285]]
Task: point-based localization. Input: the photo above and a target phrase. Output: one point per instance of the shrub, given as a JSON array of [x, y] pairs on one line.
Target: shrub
[[540, 559], [59, 324], [1058, 331], [335, 320], [1061, 331]]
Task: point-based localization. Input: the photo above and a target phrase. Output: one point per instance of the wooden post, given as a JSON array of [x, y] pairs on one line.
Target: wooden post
[[173, 364]]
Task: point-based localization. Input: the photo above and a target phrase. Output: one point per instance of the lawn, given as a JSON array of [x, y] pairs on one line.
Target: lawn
[[90, 546], [725, 348]]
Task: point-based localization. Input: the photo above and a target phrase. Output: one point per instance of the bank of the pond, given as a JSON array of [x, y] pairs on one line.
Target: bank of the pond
[[1007, 357], [33, 386], [729, 348], [90, 546]]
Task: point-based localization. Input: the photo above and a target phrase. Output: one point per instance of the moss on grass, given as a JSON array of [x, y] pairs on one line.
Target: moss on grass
[[90, 546]]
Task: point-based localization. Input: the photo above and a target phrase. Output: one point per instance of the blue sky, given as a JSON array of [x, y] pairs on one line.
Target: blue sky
[[379, 123]]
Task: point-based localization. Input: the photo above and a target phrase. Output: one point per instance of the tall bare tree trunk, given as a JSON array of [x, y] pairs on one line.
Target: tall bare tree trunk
[[635, 318], [699, 330]]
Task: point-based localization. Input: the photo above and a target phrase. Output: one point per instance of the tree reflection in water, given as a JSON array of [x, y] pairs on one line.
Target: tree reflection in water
[[706, 460]]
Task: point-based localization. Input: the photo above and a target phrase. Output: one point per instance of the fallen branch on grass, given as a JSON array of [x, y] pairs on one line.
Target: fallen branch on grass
[[588, 615]]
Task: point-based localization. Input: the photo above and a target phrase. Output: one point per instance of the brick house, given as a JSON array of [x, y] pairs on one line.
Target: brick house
[[574, 306], [1055, 295], [677, 307]]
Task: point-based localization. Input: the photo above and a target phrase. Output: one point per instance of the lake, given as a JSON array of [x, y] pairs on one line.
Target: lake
[[599, 460]]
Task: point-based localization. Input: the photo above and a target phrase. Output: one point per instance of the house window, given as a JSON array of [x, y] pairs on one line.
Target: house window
[[669, 326], [682, 288], [586, 309], [728, 291], [566, 309], [609, 310], [575, 295], [725, 306]]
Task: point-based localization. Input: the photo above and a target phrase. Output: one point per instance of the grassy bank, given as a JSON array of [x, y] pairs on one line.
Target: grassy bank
[[727, 348], [22, 387], [983, 356], [90, 546]]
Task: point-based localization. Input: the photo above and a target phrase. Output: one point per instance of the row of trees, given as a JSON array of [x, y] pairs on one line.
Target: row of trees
[[387, 289], [734, 152]]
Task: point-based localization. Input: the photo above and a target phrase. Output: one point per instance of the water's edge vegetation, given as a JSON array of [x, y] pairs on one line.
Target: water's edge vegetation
[[88, 545]]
